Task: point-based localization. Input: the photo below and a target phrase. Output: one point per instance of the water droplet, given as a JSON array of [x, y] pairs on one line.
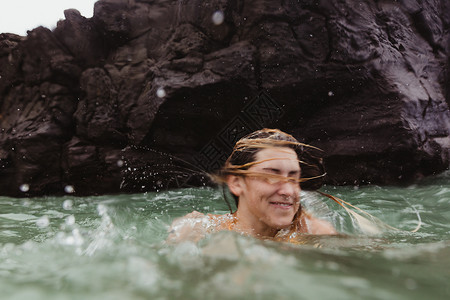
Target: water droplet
[[70, 220], [67, 204], [24, 187], [69, 189], [42, 222], [218, 17], [161, 93], [70, 240], [330, 94], [120, 163]]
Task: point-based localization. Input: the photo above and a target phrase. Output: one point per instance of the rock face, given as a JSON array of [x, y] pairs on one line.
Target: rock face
[[149, 94]]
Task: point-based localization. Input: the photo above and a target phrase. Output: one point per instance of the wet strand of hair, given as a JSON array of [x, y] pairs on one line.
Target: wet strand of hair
[[244, 144]]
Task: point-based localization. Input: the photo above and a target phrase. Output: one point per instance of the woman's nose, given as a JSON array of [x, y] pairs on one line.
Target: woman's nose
[[288, 188]]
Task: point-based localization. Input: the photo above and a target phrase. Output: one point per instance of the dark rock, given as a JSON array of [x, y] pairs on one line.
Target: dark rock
[[148, 95], [81, 39]]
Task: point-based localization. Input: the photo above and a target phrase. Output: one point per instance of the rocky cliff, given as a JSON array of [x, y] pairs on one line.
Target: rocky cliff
[[149, 94]]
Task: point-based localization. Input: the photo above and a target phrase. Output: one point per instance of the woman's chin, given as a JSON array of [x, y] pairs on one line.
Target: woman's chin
[[281, 224]]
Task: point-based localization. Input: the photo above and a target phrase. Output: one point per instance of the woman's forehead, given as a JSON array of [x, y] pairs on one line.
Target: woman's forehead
[[277, 151], [276, 154]]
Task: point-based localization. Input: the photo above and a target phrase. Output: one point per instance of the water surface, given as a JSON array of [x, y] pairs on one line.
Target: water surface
[[113, 247]]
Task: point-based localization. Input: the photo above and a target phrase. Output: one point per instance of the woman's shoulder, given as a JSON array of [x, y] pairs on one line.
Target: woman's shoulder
[[313, 225], [221, 222]]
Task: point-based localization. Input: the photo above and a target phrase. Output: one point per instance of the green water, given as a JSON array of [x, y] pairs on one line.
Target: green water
[[112, 247]]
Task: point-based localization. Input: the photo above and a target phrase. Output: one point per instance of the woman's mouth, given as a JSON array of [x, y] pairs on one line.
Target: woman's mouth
[[283, 205]]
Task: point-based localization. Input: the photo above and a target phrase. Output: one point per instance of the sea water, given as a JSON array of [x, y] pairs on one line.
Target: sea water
[[113, 247]]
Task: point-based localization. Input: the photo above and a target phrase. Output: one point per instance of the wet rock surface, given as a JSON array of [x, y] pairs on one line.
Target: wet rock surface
[[147, 95]]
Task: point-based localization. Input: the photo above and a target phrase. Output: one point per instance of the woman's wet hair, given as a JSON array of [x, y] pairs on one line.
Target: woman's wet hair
[[245, 150]]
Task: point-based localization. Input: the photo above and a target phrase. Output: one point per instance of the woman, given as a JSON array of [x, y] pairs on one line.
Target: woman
[[264, 174]]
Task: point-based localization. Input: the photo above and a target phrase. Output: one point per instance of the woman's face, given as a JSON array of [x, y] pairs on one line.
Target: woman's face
[[272, 201]]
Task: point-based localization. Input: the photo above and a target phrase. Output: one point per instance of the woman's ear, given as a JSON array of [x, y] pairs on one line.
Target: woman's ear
[[235, 184]]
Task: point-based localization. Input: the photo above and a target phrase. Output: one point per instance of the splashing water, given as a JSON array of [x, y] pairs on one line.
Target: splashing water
[[24, 187], [113, 247], [160, 92], [218, 17], [67, 204], [69, 189]]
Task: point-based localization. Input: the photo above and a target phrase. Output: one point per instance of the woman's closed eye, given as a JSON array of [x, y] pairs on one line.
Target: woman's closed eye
[[291, 175], [275, 178]]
